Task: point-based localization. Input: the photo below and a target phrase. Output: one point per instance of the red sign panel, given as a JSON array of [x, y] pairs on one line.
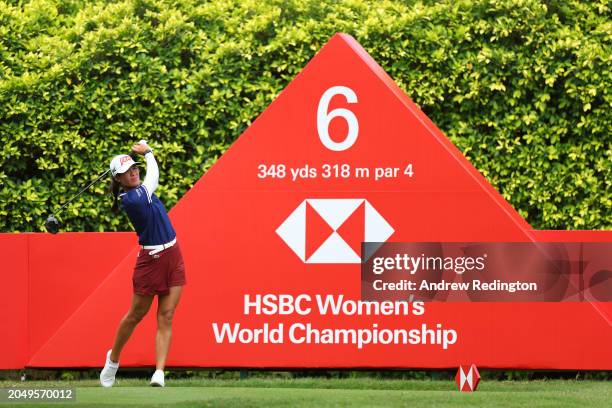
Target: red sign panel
[[272, 234]]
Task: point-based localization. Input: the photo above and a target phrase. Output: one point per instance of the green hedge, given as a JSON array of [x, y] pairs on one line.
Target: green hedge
[[522, 87]]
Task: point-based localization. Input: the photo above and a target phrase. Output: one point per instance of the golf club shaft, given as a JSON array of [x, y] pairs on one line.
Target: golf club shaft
[[80, 192]]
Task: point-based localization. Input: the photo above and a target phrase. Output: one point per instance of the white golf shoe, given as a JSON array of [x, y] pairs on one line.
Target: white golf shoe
[[107, 376], [158, 379]]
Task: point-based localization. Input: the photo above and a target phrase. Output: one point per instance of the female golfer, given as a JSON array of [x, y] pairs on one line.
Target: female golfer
[[159, 268]]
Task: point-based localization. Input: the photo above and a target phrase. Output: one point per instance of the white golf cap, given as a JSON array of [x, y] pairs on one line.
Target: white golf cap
[[121, 163]]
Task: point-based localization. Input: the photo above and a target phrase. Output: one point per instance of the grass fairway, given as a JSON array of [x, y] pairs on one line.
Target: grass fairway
[[334, 392]]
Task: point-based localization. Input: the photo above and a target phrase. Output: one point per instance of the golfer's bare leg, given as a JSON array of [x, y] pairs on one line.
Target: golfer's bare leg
[[165, 312], [138, 310]]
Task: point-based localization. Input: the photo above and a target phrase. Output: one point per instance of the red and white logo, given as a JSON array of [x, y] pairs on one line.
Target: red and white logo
[[467, 378], [124, 159], [332, 230]]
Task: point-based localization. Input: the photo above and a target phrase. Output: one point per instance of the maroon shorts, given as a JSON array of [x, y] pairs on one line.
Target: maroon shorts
[[155, 274]]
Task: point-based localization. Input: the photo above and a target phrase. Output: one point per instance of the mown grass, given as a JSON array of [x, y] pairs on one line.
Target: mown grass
[[256, 392]]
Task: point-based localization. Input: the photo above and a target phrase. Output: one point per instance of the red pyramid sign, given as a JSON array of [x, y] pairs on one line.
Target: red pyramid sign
[[341, 136]]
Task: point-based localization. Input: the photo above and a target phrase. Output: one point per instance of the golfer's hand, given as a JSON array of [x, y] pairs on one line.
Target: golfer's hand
[[141, 148]]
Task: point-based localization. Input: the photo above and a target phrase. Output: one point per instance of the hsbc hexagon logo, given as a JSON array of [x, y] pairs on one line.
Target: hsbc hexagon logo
[[467, 378], [322, 230]]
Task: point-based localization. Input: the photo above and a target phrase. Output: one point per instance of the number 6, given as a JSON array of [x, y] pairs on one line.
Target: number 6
[[324, 118]]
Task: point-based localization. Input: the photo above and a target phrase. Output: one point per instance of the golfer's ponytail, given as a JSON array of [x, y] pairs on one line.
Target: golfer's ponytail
[[115, 187]]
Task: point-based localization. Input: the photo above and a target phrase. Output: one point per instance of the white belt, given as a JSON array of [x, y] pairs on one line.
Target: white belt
[[159, 248]]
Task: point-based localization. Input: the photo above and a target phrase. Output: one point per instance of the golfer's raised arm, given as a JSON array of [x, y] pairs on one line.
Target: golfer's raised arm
[[151, 180]]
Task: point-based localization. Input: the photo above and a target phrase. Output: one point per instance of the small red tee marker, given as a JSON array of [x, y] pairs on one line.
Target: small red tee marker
[[467, 378]]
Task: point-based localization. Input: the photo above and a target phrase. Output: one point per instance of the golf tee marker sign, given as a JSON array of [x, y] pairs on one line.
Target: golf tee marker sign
[[467, 378], [272, 236]]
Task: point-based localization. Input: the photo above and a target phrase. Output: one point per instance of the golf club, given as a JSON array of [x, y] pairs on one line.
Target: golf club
[[52, 223]]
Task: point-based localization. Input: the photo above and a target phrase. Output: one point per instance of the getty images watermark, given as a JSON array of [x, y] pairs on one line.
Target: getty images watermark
[[487, 271], [36, 394]]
